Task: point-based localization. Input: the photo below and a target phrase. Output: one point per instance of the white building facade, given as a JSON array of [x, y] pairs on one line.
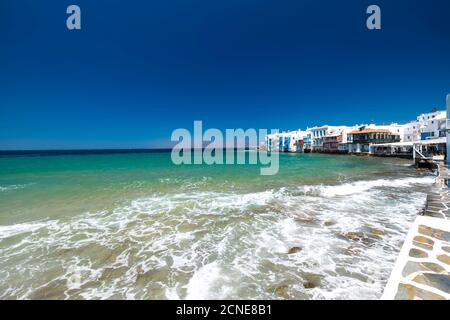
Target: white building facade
[[318, 133], [426, 126], [290, 141]]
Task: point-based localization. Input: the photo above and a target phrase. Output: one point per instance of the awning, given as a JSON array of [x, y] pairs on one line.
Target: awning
[[442, 140]]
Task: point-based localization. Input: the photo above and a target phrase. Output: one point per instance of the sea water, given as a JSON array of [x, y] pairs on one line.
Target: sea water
[[136, 226]]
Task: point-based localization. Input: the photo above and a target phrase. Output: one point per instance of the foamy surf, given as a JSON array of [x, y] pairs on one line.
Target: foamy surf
[[16, 229], [219, 245]]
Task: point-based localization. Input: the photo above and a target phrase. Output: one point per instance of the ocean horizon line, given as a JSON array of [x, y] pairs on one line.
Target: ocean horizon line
[[40, 152]]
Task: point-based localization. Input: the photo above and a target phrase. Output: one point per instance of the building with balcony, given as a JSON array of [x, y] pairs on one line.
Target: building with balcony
[[319, 133], [331, 143], [360, 139]]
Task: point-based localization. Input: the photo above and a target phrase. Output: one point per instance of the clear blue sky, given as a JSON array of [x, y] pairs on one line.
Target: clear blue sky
[[139, 69]]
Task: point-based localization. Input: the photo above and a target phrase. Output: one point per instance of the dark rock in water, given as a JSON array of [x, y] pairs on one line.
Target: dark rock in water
[[282, 291], [309, 285], [354, 235], [352, 250], [377, 232], [294, 250], [308, 221], [329, 223], [368, 239], [311, 281]]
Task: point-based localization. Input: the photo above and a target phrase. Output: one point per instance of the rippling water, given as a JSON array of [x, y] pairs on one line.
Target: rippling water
[[134, 226]]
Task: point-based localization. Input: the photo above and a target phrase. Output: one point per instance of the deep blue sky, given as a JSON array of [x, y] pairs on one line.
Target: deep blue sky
[[139, 69]]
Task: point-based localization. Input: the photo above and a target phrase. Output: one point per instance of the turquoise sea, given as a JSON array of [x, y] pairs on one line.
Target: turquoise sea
[[136, 226]]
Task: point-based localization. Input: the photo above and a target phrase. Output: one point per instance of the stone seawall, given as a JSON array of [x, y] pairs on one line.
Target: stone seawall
[[422, 270]]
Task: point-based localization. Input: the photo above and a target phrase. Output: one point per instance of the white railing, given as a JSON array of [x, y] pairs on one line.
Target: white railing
[[420, 154]]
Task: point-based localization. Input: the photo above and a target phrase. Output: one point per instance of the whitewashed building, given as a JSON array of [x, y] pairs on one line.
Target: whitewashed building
[[290, 141], [344, 145], [318, 134], [426, 126]]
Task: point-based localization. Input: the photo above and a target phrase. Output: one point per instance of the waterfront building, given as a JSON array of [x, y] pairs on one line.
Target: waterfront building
[[344, 144], [392, 139], [433, 149], [426, 126], [290, 141], [331, 142], [295, 141], [395, 128], [319, 133], [361, 139], [272, 142], [307, 142]]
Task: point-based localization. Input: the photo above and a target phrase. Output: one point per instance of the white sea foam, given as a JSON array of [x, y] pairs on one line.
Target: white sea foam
[[14, 186], [207, 283], [362, 186], [219, 245], [15, 229]]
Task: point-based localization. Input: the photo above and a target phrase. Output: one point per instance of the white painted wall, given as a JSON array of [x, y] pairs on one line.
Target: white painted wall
[[426, 122]]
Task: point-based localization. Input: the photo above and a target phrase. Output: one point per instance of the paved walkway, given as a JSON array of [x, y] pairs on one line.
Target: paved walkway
[[422, 270]]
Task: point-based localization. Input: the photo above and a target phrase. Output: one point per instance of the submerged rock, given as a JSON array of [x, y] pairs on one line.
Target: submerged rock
[[350, 250], [308, 221], [354, 236], [311, 281], [282, 291], [329, 223], [294, 250], [377, 232]]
